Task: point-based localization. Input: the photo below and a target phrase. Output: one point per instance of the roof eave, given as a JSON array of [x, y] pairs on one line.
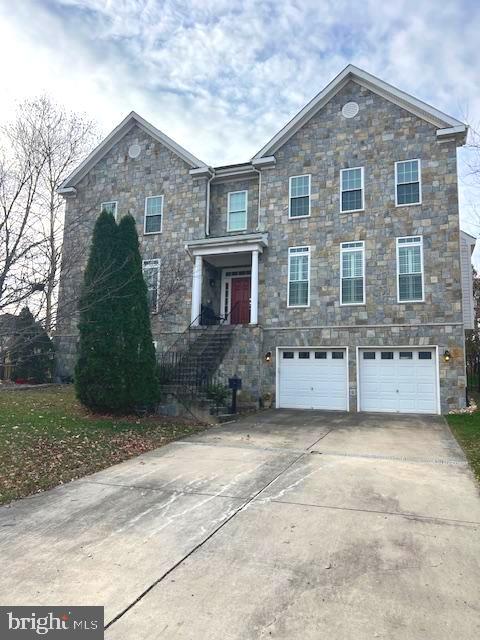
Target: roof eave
[[117, 134], [401, 98]]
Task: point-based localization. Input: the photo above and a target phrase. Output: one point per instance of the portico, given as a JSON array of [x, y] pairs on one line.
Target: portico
[[236, 259]]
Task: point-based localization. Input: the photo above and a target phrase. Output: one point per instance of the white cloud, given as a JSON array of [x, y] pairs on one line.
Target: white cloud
[[222, 77]]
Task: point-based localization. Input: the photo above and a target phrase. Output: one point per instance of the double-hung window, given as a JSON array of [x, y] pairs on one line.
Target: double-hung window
[[151, 274], [109, 207], [298, 277], [237, 211], [352, 273], [299, 197], [153, 214], [408, 182], [410, 269], [352, 196]]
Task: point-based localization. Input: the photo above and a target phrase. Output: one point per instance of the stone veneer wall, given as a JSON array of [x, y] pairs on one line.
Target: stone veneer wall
[[381, 134], [244, 360], [157, 171], [219, 205], [452, 373]]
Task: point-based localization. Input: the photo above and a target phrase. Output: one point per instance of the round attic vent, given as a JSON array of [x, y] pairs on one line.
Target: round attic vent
[[134, 150], [350, 110]]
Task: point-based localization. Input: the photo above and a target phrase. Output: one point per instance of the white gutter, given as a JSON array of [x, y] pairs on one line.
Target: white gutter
[[207, 212]]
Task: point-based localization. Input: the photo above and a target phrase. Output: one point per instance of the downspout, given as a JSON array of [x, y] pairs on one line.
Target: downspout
[[259, 192], [207, 212]]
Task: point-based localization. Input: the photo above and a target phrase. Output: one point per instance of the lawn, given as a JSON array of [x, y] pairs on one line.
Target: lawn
[[466, 428], [47, 438]]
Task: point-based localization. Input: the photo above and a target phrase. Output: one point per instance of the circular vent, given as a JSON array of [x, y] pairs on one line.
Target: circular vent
[[350, 110], [134, 150]]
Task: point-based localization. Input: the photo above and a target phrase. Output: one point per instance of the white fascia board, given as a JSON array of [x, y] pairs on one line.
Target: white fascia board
[[451, 131], [202, 172], [228, 244], [387, 91], [266, 162], [117, 134], [67, 191]]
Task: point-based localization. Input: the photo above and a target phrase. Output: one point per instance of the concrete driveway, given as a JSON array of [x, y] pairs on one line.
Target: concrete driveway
[[285, 524]]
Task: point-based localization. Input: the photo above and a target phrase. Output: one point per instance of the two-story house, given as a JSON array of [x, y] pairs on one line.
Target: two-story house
[[335, 251]]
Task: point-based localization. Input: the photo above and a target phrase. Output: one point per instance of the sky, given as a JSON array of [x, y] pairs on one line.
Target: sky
[[222, 76]]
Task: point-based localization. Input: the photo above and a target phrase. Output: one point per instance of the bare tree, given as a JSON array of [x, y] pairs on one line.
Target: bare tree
[[64, 138], [20, 174]]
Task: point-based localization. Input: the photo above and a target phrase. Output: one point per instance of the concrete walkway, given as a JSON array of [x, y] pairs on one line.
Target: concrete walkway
[[283, 525]]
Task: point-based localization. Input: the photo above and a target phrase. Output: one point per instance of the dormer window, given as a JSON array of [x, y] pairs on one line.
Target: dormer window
[[237, 211]]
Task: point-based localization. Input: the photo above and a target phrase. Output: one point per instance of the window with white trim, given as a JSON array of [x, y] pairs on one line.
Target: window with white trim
[[407, 182], [153, 214], [352, 273], [352, 196], [298, 277], [299, 197], [410, 269], [109, 207], [237, 211], [151, 275]]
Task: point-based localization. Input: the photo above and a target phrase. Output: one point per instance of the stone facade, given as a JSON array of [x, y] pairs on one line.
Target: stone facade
[[381, 134]]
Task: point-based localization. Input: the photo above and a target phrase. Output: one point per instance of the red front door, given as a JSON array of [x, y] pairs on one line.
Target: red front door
[[240, 301]]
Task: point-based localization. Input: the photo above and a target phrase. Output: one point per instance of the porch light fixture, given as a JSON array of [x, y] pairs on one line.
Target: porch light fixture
[[447, 355], [212, 283], [268, 356]]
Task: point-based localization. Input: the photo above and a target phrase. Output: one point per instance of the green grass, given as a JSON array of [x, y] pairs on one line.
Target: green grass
[[47, 438], [466, 428]]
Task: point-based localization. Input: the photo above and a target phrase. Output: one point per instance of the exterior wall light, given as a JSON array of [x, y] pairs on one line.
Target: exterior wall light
[[268, 356], [447, 355]]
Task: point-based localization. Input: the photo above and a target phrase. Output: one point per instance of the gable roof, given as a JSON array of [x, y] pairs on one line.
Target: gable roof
[[117, 134], [446, 124]]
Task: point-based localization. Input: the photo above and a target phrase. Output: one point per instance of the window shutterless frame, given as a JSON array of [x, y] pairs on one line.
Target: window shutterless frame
[[419, 165], [148, 214], [230, 210], [362, 188], [410, 241], [352, 247], [294, 197], [109, 207], [152, 286], [298, 251]]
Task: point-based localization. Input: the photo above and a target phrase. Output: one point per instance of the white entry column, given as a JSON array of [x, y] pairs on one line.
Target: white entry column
[[254, 289], [197, 290]]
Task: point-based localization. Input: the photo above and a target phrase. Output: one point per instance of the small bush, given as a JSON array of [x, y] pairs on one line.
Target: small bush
[[218, 393]]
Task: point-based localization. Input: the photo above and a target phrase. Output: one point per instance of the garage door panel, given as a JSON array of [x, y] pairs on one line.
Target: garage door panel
[[404, 383], [312, 383]]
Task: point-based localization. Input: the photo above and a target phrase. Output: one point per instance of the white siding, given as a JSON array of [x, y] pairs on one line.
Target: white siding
[[467, 245]]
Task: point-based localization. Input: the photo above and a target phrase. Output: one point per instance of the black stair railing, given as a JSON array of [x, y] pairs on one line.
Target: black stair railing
[[192, 361]]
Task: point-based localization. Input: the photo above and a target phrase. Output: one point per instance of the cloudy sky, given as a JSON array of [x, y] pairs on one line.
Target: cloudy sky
[[222, 76]]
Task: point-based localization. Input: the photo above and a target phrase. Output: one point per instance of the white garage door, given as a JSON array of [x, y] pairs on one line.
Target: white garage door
[[312, 379], [398, 380]]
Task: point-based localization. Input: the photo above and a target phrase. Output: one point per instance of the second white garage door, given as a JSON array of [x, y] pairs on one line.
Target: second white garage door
[[312, 379], [398, 380]]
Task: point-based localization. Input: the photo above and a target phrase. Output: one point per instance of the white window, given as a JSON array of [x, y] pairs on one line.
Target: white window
[[352, 273], [410, 269], [299, 197], [109, 207], [352, 196], [408, 183], [153, 214], [237, 211], [151, 274], [299, 277]]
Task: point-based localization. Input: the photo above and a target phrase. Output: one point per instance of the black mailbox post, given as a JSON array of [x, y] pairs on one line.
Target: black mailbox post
[[234, 384]]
